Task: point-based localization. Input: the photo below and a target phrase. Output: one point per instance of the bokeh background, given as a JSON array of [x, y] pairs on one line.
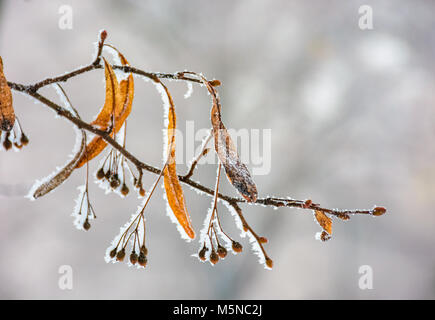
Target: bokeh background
[[352, 119]]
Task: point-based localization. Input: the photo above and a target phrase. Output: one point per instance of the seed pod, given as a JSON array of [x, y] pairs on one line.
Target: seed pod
[[86, 225], [144, 250], [237, 247], [113, 253], [378, 211], [201, 253], [262, 240], [269, 262], [100, 174], [214, 258], [133, 257], [221, 251], [24, 140], [124, 189], [142, 192], [120, 255], [7, 144], [142, 260]]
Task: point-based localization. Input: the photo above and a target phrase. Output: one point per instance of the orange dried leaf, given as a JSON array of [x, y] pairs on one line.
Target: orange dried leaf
[[324, 221], [173, 189], [119, 101], [7, 114]]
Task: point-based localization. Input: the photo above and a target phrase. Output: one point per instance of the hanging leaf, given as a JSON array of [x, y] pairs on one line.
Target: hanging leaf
[[324, 221], [119, 101], [7, 115], [237, 172], [173, 189]]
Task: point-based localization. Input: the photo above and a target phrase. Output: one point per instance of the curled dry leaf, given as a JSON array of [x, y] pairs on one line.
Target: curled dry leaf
[[237, 172], [7, 114], [173, 189], [118, 104], [324, 221]]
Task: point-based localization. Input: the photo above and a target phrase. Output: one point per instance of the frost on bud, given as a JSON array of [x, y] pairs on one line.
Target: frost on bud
[[120, 255], [269, 262], [113, 253], [237, 247], [222, 252], [378, 211], [133, 257], [114, 183], [100, 174], [214, 258]]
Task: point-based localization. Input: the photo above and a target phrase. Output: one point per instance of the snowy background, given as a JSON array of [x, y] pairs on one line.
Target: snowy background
[[352, 122]]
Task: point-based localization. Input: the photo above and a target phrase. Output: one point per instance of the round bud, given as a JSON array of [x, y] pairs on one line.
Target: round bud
[[124, 189], [144, 250], [214, 258], [103, 35], [142, 192], [7, 144], [221, 251], [142, 260], [86, 225], [100, 174], [133, 257], [269, 263], [201, 253], [24, 140], [214, 83], [120, 255], [237, 247], [262, 240], [378, 211], [112, 253]]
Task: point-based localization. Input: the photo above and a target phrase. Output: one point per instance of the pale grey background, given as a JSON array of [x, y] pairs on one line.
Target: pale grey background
[[352, 122]]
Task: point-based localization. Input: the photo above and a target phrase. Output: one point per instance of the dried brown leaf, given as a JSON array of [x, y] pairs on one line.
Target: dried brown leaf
[[324, 221], [237, 172], [7, 114], [173, 189]]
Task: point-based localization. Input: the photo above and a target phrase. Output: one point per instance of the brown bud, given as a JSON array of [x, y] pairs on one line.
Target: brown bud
[[120, 255], [100, 174], [324, 236], [142, 192], [113, 253], [7, 144], [378, 211], [237, 247], [124, 189], [103, 35], [142, 260], [262, 240], [215, 83], [24, 140], [133, 257], [86, 225], [214, 258], [221, 251], [201, 253], [114, 183], [144, 250], [269, 263]]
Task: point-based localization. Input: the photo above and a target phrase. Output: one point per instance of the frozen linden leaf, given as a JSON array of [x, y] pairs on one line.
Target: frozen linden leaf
[[63, 174], [237, 172], [7, 115], [119, 101], [324, 221], [173, 189]]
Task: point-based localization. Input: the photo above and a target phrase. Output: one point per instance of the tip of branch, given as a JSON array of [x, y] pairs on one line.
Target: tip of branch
[[378, 211], [103, 35]]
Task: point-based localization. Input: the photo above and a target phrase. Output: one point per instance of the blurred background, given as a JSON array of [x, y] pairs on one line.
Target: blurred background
[[352, 119]]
